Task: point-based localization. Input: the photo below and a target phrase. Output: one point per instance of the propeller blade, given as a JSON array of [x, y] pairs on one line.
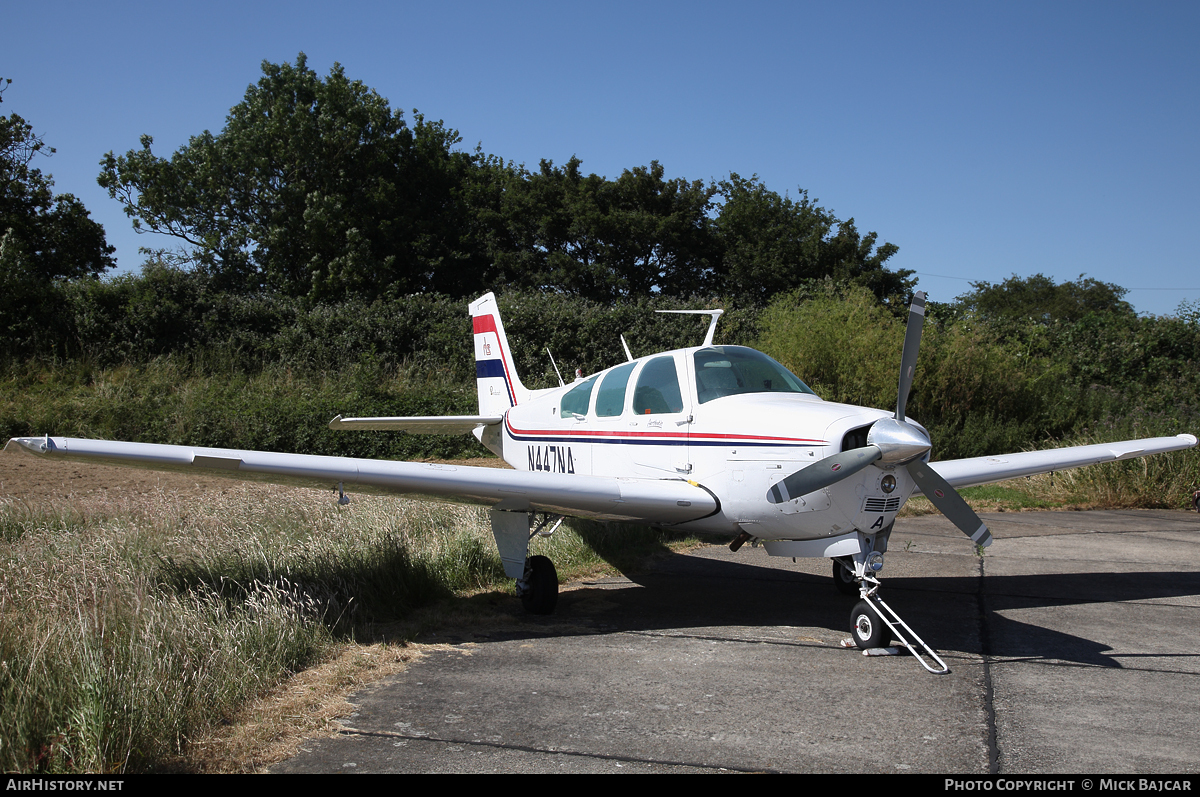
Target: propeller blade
[[821, 474], [912, 345], [951, 504]]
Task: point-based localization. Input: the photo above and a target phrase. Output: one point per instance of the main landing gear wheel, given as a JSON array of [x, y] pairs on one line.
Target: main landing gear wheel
[[843, 579], [541, 586], [867, 627]]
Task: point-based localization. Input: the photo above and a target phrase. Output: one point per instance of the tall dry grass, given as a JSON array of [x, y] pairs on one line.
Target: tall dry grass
[[1163, 481], [126, 628], [129, 626]]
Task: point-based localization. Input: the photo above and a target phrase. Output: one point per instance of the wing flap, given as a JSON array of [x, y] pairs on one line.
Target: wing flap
[[427, 424], [221, 463], [986, 470], [603, 498]]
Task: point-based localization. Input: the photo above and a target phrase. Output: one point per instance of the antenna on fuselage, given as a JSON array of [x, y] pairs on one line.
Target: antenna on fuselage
[[625, 346], [556, 373], [712, 325]]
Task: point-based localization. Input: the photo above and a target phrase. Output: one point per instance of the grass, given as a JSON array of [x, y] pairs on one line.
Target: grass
[[105, 669], [1012, 496], [130, 629]]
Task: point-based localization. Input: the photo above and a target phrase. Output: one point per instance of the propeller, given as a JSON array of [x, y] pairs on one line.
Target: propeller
[[895, 443]]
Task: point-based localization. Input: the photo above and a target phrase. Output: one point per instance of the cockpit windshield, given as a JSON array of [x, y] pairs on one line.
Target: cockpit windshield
[[731, 370]]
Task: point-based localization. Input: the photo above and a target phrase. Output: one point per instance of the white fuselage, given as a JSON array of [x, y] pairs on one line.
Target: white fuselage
[[735, 446]]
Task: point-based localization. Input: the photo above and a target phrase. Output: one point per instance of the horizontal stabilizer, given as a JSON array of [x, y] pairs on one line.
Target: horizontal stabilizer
[[430, 424]]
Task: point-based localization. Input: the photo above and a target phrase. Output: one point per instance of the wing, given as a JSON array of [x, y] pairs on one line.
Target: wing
[[430, 424], [985, 470], [604, 498]]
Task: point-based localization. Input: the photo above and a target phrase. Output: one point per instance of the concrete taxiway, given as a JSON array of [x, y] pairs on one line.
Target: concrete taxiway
[[1072, 645]]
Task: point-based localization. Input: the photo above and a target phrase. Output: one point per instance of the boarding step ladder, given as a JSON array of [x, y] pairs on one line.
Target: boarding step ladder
[[894, 624]]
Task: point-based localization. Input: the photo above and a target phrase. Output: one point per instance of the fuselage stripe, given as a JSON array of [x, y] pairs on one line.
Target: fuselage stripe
[[653, 438]]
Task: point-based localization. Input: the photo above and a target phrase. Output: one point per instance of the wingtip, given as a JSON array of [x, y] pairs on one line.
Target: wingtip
[[336, 423], [1190, 439], [34, 445]]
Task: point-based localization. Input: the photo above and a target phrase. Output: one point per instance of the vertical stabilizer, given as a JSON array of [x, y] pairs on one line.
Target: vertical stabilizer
[[495, 373]]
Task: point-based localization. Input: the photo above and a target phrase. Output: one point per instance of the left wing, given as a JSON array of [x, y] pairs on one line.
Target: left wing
[[985, 470], [603, 498]]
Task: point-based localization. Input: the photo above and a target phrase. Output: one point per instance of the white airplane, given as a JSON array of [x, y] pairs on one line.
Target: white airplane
[[716, 439]]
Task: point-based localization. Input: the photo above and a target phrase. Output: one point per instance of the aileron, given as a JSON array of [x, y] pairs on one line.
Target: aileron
[[430, 424]]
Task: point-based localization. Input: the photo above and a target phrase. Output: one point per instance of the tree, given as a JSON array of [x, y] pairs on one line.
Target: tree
[[551, 218], [313, 188], [43, 236], [657, 233], [317, 188], [771, 244], [636, 236], [1038, 298]]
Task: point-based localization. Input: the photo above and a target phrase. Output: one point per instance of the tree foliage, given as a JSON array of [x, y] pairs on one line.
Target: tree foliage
[[772, 244], [1039, 299], [638, 235], [43, 236], [315, 187], [643, 235]]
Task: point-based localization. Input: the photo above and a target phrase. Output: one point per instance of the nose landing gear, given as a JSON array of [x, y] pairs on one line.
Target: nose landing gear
[[872, 622]]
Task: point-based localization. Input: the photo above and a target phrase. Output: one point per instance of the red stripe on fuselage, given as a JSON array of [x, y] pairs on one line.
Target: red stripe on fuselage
[[638, 435]]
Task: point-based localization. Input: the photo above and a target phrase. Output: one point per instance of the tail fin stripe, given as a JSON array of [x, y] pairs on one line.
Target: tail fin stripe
[[493, 360], [484, 368], [488, 368]]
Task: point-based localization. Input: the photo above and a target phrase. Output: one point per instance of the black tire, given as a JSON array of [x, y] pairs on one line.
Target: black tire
[[541, 595], [843, 579], [867, 627]]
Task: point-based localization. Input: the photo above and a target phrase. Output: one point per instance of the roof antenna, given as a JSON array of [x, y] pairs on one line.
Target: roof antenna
[[712, 325], [625, 346], [556, 373]]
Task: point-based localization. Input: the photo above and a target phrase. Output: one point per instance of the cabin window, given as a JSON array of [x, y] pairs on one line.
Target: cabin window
[[657, 388], [610, 399], [577, 399], [732, 370]]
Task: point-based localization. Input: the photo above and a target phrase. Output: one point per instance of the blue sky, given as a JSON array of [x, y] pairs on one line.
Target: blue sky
[[983, 139]]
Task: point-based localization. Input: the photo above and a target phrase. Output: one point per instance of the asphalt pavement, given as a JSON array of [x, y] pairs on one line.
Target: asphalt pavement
[[1071, 644]]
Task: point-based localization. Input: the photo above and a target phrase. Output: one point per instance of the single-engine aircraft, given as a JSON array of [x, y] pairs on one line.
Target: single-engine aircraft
[[716, 439]]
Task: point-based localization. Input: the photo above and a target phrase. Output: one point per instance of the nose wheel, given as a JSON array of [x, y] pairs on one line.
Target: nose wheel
[[867, 627]]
